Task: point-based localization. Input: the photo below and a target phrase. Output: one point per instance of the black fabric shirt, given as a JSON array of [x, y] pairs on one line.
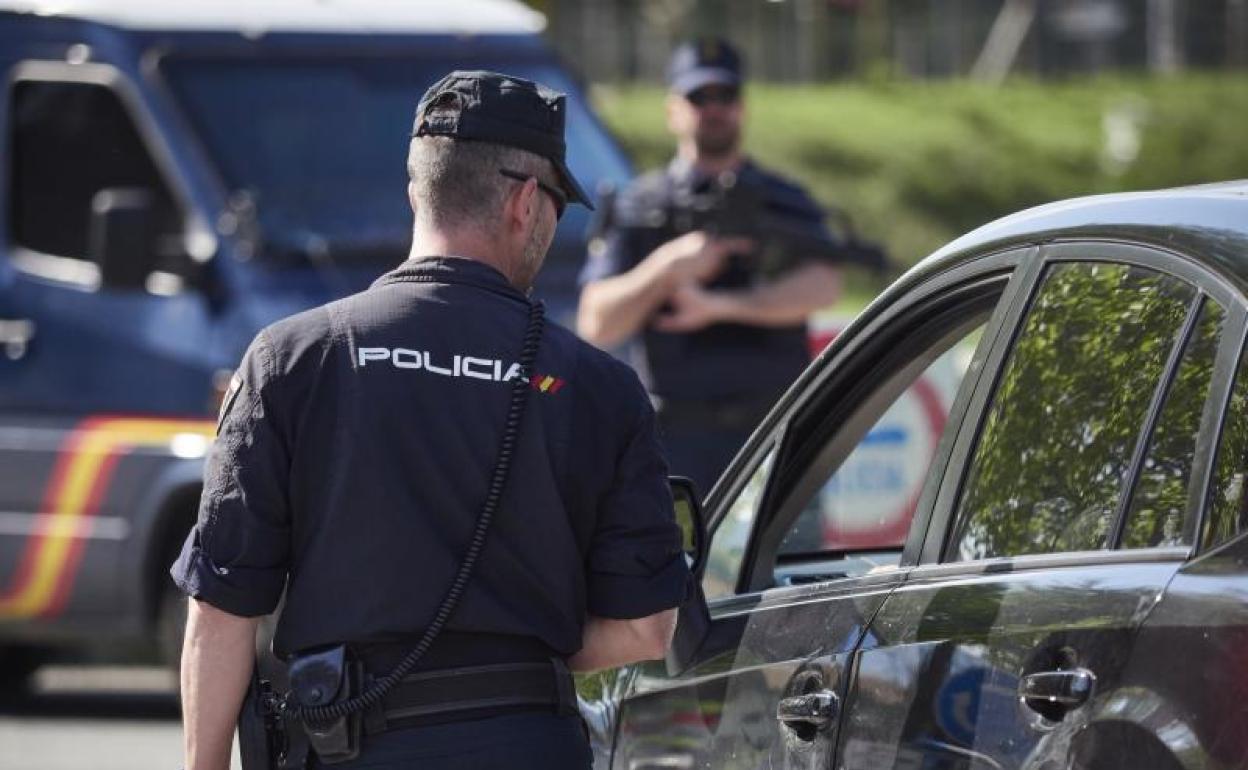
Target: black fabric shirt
[[352, 460], [723, 361]]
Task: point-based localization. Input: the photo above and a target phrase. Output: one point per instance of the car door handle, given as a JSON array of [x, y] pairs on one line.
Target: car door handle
[[15, 337], [1064, 690], [818, 708]]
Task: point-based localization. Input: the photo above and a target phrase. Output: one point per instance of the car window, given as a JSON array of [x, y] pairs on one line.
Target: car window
[[860, 515], [1227, 510], [1158, 509], [1051, 461], [728, 542], [70, 142]]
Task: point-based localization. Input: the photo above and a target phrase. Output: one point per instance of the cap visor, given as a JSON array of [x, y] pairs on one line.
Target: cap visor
[[576, 193], [704, 76]]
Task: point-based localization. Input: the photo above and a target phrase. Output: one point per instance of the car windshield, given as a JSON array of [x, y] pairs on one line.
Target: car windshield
[[317, 145]]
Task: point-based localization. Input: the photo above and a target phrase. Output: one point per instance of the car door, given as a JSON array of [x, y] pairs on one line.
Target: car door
[[799, 564], [1065, 510]]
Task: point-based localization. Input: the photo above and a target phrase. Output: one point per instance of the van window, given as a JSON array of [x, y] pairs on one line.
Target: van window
[[319, 144], [69, 142]]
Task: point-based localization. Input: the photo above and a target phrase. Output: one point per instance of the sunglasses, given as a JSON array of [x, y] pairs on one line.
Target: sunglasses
[[558, 196], [721, 95]]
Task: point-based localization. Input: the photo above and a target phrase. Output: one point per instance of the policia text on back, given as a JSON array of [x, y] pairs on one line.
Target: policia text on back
[[331, 698]]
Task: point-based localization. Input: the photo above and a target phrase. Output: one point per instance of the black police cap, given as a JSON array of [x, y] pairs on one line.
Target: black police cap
[[704, 62], [507, 110]]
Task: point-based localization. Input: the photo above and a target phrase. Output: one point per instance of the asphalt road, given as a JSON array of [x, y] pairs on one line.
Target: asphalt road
[[91, 717]]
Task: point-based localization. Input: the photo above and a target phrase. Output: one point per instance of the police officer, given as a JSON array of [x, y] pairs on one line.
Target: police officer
[[356, 447], [719, 341]]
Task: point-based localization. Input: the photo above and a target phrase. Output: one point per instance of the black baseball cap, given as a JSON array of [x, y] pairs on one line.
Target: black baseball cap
[[493, 107], [702, 62]]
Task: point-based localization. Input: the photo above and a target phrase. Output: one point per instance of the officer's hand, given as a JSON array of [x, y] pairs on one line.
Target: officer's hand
[[691, 308], [698, 256]]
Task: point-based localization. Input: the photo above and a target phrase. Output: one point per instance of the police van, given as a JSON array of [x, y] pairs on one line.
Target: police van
[[173, 177]]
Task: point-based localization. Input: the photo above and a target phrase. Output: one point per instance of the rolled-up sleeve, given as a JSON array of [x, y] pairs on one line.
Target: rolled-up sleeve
[[636, 567], [235, 557]]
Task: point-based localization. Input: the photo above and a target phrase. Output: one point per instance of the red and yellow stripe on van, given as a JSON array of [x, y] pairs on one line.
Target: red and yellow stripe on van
[[77, 486]]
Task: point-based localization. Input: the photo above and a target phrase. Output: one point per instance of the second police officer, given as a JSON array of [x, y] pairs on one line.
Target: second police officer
[[362, 440], [720, 339]]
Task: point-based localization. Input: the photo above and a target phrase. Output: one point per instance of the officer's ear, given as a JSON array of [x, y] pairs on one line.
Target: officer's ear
[[522, 206], [411, 195]]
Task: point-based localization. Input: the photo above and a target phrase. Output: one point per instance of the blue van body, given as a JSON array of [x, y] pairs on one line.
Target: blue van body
[[268, 170]]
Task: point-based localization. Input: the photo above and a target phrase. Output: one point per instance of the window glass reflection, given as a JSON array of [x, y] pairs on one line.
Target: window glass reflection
[[1159, 503], [1228, 504], [1048, 471], [723, 562], [868, 503]]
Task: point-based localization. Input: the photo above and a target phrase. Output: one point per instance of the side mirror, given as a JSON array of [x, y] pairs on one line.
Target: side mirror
[[121, 239], [692, 526], [693, 619]]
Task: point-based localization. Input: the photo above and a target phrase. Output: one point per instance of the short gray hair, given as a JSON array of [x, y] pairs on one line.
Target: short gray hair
[[455, 182]]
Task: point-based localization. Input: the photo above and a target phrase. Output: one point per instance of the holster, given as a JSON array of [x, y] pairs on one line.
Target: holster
[[322, 678], [271, 737], [267, 737]]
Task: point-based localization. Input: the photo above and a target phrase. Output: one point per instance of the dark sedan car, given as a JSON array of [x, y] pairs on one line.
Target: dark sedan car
[[1050, 571]]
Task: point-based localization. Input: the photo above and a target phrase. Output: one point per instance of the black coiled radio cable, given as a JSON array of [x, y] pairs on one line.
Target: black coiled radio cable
[[322, 715]]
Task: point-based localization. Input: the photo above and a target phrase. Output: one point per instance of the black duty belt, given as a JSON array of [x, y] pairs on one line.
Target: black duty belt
[[470, 692]]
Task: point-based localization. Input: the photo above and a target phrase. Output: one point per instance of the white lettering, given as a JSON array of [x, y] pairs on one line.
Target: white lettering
[[406, 359], [373, 354], [512, 373], [461, 365], [470, 362], [429, 367]]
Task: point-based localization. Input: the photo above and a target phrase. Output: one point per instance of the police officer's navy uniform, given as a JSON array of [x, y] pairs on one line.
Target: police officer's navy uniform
[[352, 459], [712, 386]]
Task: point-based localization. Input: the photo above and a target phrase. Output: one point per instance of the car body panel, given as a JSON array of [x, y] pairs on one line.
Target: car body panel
[[935, 681], [721, 712]]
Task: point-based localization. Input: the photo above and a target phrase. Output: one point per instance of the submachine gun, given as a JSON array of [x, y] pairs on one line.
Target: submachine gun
[[731, 206]]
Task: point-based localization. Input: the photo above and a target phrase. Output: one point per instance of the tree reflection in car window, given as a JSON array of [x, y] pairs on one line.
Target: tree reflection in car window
[[1228, 503], [1048, 471], [1159, 503], [723, 561]]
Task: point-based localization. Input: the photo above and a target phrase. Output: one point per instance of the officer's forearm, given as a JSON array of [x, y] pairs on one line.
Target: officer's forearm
[[613, 309], [217, 656], [788, 300], [608, 643]]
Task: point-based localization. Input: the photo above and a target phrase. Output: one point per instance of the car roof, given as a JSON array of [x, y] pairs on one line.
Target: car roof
[[258, 17], [1208, 222]]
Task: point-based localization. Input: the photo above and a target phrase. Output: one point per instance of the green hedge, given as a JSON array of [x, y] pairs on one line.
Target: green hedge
[[917, 164]]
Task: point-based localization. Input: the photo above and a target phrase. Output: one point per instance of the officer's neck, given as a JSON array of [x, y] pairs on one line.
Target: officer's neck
[[710, 165], [466, 243]]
